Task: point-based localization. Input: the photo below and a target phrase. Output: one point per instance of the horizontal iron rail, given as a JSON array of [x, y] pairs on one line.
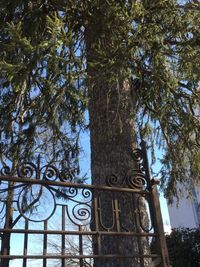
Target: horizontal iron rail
[[74, 185], [53, 232], [58, 256]]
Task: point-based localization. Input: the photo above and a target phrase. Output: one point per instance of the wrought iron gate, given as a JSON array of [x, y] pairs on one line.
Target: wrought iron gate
[[48, 220]]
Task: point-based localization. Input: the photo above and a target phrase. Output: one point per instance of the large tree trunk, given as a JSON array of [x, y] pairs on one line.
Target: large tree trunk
[[112, 113], [5, 249], [113, 138]]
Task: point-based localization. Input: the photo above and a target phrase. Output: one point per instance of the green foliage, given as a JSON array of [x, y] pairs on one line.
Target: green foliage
[[42, 88], [184, 247], [46, 48]]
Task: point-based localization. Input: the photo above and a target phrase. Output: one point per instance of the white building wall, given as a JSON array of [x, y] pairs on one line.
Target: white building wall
[[187, 213]]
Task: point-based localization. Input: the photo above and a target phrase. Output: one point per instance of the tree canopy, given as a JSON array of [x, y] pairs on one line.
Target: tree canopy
[[154, 45]]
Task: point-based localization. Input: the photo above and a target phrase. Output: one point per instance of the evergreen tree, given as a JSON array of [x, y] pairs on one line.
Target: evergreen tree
[[133, 64]]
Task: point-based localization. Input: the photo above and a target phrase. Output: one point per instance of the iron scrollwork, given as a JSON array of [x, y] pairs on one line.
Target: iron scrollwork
[[117, 210], [31, 203], [136, 179], [78, 200], [30, 198]]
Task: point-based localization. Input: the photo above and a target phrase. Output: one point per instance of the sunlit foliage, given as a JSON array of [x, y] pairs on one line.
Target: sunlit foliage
[[155, 45]]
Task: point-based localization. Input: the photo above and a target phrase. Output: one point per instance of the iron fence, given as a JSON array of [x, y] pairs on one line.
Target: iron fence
[[49, 220]]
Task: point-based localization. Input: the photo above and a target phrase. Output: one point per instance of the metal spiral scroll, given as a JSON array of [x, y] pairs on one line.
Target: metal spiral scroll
[[79, 207], [87, 194], [138, 158], [27, 170], [30, 170], [136, 181], [50, 173], [80, 214], [6, 170], [137, 155], [113, 180], [72, 192]]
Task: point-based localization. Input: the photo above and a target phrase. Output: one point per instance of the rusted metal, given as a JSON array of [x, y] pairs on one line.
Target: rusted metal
[[156, 216], [42, 194], [80, 247], [54, 232], [160, 243], [45, 243], [63, 236], [25, 242], [24, 180], [56, 256]]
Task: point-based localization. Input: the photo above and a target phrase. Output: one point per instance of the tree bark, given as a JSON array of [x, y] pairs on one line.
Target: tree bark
[[113, 138]]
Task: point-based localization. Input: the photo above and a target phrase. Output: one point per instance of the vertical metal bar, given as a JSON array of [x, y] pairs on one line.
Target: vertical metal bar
[[6, 237], [146, 164], [63, 236], [139, 241], [80, 246], [158, 223], [117, 216], [96, 210], [98, 236], [38, 167], [155, 212], [7, 224], [45, 244], [25, 243], [117, 211]]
